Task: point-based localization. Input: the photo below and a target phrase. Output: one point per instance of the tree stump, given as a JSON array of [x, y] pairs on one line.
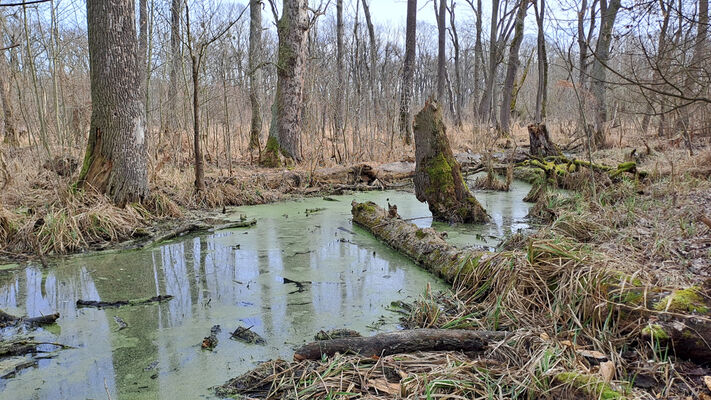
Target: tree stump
[[540, 141], [438, 176]]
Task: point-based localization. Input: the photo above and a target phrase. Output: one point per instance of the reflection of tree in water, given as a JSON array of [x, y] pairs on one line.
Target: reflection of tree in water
[[175, 278], [33, 294]]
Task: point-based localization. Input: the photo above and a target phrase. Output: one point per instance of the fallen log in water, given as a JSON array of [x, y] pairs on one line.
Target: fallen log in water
[[7, 319], [680, 320], [407, 341], [120, 303], [196, 226], [423, 245]]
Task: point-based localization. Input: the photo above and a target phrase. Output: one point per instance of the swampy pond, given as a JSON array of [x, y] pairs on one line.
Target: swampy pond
[[226, 278]]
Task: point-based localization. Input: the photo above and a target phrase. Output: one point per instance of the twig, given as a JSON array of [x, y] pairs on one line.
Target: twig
[[106, 387]]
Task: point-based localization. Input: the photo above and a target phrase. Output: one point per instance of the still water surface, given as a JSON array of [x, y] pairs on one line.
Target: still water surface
[[226, 278]]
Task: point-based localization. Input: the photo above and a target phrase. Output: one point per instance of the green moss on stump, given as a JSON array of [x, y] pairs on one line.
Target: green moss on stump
[[590, 385], [683, 300], [270, 158]]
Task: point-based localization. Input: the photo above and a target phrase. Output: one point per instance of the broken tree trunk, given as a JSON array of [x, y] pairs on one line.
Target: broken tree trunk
[[680, 319], [407, 341], [438, 177], [134, 302], [540, 141]]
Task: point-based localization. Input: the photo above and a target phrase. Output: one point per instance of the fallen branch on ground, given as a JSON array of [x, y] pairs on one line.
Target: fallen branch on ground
[[407, 341], [134, 302]]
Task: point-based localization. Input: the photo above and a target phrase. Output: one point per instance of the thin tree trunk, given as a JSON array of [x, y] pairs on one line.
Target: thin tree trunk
[[8, 128], [459, 95], [408, 72], [115, 161], [255, 74], [33, 74], [175, 63], [608, 14], [542, 89], [485, 106], [512, 68], [373, 55], [340, 97], [441, 53]]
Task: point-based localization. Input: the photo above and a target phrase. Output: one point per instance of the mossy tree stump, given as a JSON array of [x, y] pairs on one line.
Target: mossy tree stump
[[540, 141], [438, 176]]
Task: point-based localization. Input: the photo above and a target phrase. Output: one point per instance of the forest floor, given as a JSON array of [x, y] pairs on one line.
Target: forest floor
[[657, 230]]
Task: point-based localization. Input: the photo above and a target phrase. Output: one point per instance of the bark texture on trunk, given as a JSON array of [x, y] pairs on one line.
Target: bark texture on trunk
[[8, 128], [540, 141], [255, 74], [441, 49], [438, 177], [407, 341], [608, 14], [542, 57], [485, 106], [408, 72], [285, 129], [340, 96], [512, 68], [175, 61], [115, 160]]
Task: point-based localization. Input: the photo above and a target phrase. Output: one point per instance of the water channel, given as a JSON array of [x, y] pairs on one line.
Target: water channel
[[227, 278]]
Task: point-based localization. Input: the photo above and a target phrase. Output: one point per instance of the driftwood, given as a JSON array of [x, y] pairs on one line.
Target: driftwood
[[438, 176], [120, 303], [7, 319], [210, 342], [247, 336], [407, 341], [25, 346]]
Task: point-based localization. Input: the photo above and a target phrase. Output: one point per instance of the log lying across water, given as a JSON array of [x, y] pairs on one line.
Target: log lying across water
[[680, 320], [7, 319], [423, 245], [133, 302], [407, 341]]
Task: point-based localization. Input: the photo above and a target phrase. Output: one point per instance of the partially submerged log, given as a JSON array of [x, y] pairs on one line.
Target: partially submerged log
[[438, 176], [120, 303], [423, 245], [8, 319], [246, 335], [197, 226], [680, 320], [407, 341], [540, 141]]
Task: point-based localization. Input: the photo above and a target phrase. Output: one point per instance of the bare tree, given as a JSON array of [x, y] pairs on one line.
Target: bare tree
[[485, 106], [115, 161], [454, 37], [255, 74], [441, 45], [542, 57], [340, 98], [175, 62], [408, 72], [285, 128], [512, 68], [608, 14]]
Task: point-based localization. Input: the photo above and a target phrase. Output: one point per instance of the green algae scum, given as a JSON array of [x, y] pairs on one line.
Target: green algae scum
[[293, 274]]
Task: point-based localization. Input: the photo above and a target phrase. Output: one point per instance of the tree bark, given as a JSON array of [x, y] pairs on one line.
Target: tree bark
[[438, 177], [408, 72], [459, 95], [8, 128], [512, 69], [540, 141], [285, 129], [608, 14], [175, 61], [407, 341], [485, 106], [542, 57], [373, 54], [255, 74], [340, 98], [115, 160], [441, 51]]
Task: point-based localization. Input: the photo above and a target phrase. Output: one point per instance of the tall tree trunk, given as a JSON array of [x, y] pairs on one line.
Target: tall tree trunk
[[8, 128], [408, 72], [340, 97], [373, 55], [115, 161], [459, 98], [485, 106], [285, 128], [512, 68], [441, 53], [175, 61], [199, 162], [143, 42], [542, 89], [608, 14], [255, 74], [478, 57]]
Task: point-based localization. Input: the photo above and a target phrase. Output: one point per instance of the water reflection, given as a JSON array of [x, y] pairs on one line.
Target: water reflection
[[227, 278]]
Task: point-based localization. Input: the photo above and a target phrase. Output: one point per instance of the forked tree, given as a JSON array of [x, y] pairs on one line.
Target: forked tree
[[115, 160]]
